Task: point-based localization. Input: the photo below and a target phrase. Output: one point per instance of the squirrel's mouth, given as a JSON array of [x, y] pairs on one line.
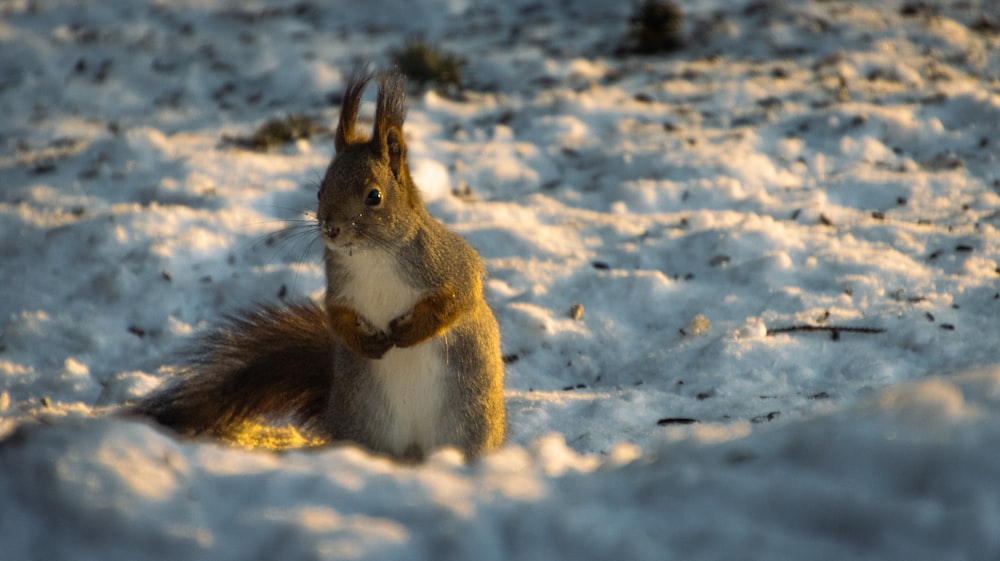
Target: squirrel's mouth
[[343, 248], [339, 244]]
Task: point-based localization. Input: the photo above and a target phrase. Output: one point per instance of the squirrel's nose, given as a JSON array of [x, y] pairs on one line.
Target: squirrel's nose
[[328, 231]]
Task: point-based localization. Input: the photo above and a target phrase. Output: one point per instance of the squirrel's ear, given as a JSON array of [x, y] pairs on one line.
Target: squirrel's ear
[[395, 149]]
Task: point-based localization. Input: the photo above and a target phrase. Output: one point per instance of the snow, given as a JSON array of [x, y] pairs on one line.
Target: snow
[[652, 227]]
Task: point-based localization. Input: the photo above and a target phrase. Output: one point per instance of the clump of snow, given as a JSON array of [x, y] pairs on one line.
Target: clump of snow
[[748, 291]]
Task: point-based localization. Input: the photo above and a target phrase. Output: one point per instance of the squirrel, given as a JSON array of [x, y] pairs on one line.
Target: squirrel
[[402, 356]]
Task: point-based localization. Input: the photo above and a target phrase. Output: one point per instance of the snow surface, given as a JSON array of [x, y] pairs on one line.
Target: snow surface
[[816, 163]]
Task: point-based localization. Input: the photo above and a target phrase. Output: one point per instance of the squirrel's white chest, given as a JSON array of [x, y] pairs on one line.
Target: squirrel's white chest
[[375, 290]]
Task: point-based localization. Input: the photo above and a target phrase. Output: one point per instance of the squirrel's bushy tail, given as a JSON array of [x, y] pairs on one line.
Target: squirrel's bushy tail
[[271, 363]]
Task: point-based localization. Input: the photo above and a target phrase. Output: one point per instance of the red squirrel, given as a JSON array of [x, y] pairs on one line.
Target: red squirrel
[[403, 354]]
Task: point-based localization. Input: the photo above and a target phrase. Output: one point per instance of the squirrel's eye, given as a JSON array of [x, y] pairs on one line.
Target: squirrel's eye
[[374, 198]]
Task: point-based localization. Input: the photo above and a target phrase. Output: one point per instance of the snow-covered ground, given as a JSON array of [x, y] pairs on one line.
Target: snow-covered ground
[[821, 164]]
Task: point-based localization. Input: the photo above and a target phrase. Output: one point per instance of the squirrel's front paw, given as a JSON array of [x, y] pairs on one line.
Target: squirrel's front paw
[[405, 331], [371, 345]]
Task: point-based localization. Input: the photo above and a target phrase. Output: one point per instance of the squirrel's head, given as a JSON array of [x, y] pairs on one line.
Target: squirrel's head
[[367, 198]]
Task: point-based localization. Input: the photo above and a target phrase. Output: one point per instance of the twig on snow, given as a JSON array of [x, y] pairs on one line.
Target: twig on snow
[[833, 330]]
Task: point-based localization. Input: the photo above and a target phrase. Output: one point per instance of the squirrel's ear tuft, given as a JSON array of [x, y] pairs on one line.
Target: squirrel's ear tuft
[[390, 111], [345, 133]]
